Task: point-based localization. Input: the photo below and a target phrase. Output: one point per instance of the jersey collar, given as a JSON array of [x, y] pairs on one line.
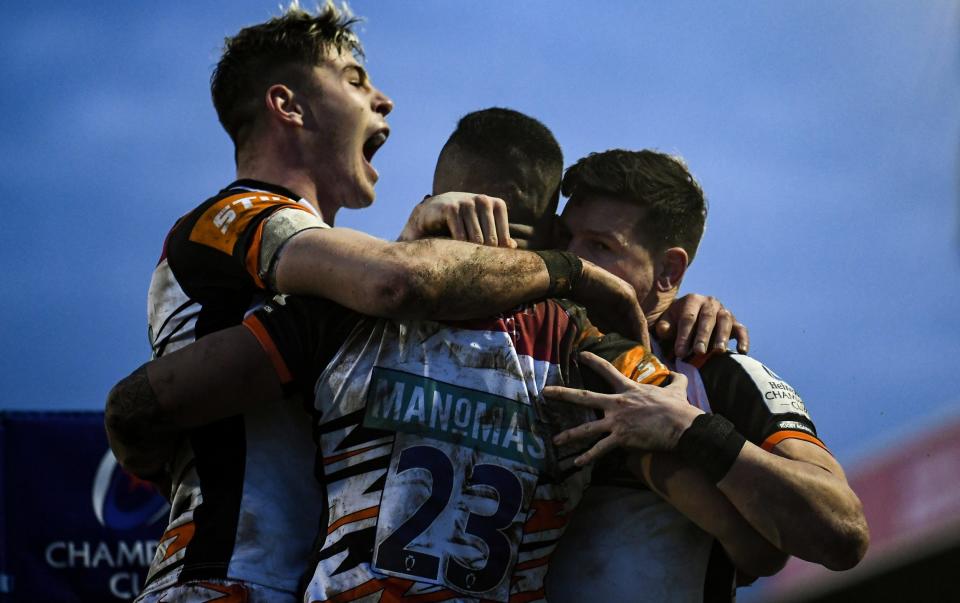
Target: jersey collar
[[249, 184]]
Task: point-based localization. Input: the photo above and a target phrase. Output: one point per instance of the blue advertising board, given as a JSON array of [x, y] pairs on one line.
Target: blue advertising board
[[75, 526]]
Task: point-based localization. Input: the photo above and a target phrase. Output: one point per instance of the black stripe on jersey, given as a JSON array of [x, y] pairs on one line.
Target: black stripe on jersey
[[372, 465], [162, 342], [359, 544], [256, 185], [220, 451], [358, 435], [526, 547], [160, 574], [161, 346], [734, 394], [378, 485], [720, 582]]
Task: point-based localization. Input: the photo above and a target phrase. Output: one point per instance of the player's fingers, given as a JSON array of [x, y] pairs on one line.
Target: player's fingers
[[521, 235], [454, 224], [599, 449], [721, 332], [706, 321], [468, 214], [663, 328], [520, 231], [685, 322], [592, 429], [578, 396], [677, 381], [488, 223], [606, 370], [500, 218], [742, 336]]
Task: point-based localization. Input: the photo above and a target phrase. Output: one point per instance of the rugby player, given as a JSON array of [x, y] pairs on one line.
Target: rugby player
[[662, 535], [747, 433], [433, 439], [514, 157], [219, 398], [306, 122]]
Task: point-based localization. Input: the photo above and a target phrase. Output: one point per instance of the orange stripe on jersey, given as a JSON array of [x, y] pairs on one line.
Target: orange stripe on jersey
[[432, 597], [547, 515], [589, 332], [640, 365], [253, 256], [532, 595], [698, 360], [339, 457], [780, 436], [260, 332], [532, 563], [232, 593], [355, 516], [178, 538], [368, 588], [225, 221]]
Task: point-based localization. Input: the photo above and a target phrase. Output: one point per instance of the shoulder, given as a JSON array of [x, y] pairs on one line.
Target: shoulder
[[221, 220], [731, 367]]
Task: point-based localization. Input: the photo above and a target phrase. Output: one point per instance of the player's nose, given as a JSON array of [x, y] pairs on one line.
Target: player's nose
[[382, 103]]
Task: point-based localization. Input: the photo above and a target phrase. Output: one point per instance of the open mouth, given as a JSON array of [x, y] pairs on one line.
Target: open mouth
[[373, 144]]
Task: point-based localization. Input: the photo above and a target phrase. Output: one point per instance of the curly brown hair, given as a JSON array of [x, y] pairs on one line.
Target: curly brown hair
[[282, 50], [674, 204]]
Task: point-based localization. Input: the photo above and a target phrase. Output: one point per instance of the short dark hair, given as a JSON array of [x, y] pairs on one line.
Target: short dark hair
[[505, 138], [506, 135], [676, 209], [261, 55]]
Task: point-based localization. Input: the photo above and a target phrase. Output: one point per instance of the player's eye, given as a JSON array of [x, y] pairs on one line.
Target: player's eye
[[599, 245]]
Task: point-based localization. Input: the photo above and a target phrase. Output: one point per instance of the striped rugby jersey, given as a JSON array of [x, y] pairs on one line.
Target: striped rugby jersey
[[436, 445], [224, 509], [634, 541]]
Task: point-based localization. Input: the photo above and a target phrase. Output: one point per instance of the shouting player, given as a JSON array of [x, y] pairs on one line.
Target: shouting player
[[215, 365], [306, 122]]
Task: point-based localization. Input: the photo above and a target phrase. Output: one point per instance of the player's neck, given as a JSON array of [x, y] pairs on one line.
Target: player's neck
[[295, 180]]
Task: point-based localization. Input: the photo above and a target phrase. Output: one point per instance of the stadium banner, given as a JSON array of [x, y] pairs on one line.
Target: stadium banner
[[75, 526]]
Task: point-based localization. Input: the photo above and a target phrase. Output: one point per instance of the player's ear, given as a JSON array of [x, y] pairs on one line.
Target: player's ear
[[284, 106], [672, 266]]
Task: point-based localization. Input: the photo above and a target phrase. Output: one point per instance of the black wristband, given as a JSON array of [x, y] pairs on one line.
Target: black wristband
[[564, 269], [711, 444]]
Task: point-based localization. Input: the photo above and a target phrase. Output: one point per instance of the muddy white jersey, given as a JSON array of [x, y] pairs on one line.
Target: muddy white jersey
[[436, 447], [625, 539], [228, 518]]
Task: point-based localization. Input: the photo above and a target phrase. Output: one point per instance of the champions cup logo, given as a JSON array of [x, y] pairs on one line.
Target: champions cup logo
[[122, 501], [112, 563]]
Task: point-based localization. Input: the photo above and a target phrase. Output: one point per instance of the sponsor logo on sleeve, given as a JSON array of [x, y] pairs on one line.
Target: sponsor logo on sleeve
[[794, 426], [778, 395]]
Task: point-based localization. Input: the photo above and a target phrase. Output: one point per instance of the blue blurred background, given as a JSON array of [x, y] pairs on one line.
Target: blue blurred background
[[825, 135]]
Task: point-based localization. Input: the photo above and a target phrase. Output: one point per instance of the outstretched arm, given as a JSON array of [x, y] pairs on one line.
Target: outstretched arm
[[216, 377], [797, 498], [443, 279], [689, 325]]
